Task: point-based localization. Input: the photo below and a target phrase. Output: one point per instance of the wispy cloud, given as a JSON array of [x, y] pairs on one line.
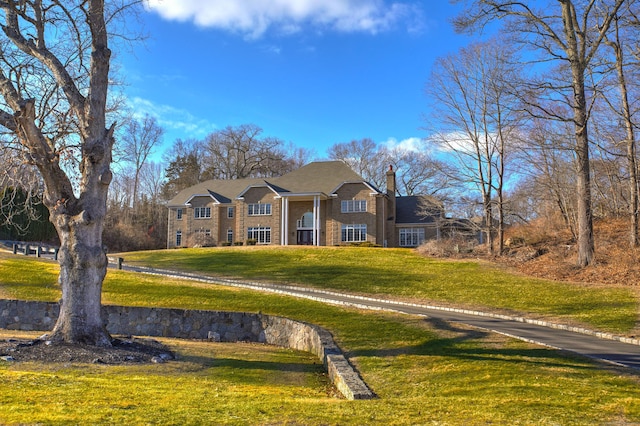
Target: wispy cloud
[[172, 119], [254, 18], [409, 144]]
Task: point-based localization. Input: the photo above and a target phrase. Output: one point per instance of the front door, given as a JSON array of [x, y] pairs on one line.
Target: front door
[[305, 237]]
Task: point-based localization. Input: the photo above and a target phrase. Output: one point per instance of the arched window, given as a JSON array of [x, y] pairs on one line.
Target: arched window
[[306, 221]]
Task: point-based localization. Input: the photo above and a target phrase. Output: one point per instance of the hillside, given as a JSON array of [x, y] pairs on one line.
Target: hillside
[[537, 250], [616, 263]]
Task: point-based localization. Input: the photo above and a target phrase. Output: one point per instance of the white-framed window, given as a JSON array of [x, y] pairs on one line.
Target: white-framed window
[[179, 214], [353, 206], [230, 235], [354, 233], [259, 209], [262, 234], [411, 237], [229, 212], [203, 232], [202, 212], [178, 238]]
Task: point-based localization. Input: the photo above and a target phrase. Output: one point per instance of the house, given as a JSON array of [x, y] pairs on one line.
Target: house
[[322, 204]]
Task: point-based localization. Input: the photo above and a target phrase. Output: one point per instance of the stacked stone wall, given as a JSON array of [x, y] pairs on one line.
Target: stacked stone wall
[[197, 324]]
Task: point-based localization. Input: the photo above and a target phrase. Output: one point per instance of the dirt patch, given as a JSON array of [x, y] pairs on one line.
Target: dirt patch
[[126, 350]]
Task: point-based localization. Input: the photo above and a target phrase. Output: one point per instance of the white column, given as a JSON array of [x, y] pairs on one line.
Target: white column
[[316, 220], [284, 226]]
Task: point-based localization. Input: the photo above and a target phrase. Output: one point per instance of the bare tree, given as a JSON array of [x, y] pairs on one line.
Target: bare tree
[[364, 157], [474, 114], [623, 32], [419, 173], [54, 100], [572, 32], [550, 175], [20, 186], [241, 152], [138, 142], [152, 180]]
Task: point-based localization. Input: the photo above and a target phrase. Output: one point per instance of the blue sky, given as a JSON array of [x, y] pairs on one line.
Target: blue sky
[[310, 72]]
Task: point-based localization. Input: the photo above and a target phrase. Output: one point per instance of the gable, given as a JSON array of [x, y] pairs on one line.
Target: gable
[[255, 194], [351, 190]]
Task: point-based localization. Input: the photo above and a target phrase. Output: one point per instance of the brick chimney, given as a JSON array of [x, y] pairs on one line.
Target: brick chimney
[[391, 182], [390, 219]]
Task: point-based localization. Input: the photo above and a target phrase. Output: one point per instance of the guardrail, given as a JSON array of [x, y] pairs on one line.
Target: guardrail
[[39, 250]]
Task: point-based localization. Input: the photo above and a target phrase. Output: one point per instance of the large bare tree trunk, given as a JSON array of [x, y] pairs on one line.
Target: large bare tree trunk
[[82, 258], [577, 60], [82, 270], [77, 213], [586, 247]]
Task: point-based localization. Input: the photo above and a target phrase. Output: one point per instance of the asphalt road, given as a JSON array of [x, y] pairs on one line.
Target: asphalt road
[[603, 347]]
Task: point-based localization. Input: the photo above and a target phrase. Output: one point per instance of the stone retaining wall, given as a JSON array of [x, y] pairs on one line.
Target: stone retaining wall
[[212, 325]]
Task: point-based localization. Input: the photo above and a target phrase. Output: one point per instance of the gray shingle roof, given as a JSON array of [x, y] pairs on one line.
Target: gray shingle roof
[[316, 177], [417, 209], [320, 176]]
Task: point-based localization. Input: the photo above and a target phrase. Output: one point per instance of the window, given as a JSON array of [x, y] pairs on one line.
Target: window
[[354, 233], [230, 235], [179, 214], [411, 237], [229, 212], [354, 206], [178, 238], [262, 234], [259, 209], [306, 221], [202, 232], [202, 212]]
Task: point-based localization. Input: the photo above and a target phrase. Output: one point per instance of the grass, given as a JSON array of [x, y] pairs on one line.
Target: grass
[[224, 376], [402, 273], [424, 371]]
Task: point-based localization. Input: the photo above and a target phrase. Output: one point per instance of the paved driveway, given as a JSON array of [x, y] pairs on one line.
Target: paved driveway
[[601, 346]]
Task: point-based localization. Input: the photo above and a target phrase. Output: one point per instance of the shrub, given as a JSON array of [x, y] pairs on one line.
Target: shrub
[[252, 242], [364, 244], [449, 247]]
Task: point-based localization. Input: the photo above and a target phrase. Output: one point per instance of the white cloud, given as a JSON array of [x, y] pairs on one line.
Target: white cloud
[[409, 144], [255, 17], [172, 120]]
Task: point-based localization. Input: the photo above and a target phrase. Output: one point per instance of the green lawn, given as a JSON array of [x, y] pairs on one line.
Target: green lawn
[[424, 372], [403, 274]]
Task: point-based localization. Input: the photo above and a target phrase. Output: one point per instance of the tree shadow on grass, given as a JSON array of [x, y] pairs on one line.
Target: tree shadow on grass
[[213, 361], [465, 343], [257, 372]]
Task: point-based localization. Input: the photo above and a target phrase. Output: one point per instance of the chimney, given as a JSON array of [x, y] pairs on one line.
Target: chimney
[[391, 182], [390, 210]]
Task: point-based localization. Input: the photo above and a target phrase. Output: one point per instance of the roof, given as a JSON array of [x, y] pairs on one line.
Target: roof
[[317, 177], [417, 209]]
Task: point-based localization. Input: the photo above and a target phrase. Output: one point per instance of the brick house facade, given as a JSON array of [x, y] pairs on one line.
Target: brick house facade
[[323, 204]]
